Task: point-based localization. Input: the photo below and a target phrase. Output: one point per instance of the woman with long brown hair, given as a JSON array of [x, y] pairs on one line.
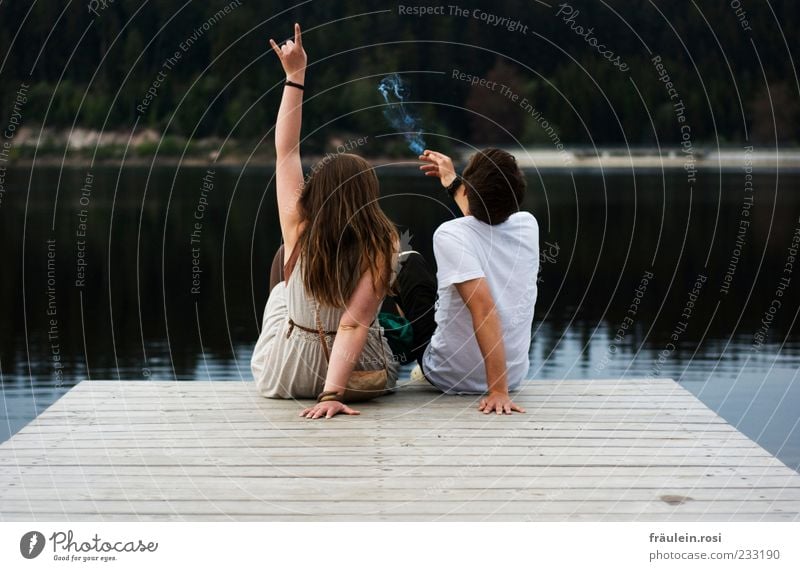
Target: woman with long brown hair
[[338, 259]]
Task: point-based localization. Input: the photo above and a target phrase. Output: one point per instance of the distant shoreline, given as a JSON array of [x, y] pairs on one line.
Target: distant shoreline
[[614, 158], [529, 160]]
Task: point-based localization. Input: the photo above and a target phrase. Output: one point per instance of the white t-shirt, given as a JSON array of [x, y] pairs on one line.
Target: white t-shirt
[[507, 255]]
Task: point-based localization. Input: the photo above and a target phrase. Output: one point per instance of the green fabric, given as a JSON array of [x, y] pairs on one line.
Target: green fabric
[[399, 334]]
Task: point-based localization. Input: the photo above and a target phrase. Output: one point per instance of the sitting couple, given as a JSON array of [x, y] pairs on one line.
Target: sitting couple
[[340, 267]]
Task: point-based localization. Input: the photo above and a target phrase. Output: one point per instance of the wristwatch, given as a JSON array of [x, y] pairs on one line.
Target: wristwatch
[[453, 186]]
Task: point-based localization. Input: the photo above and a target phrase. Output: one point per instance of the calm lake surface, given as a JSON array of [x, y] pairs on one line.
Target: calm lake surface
[[140, 274]]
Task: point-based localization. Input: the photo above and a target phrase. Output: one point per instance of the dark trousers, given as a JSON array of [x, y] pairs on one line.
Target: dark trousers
[[414, 295]]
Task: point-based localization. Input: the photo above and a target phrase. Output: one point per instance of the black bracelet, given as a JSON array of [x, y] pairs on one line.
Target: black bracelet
[[299, 86], [453, 186]]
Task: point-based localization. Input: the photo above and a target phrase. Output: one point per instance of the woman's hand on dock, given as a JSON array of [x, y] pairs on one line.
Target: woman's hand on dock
[[293, 56], [328, 409], [437, 164], [499, 403]]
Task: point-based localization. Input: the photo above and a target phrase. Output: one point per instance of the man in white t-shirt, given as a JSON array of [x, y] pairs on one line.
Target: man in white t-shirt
[[488, 263]]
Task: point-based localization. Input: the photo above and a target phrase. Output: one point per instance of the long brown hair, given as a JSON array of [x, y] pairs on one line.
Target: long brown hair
[[346, 233]]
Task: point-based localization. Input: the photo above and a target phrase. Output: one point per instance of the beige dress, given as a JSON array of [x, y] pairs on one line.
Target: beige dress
[[289, 362]]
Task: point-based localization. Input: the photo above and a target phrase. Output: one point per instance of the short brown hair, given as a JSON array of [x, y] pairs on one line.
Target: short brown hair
[[495, 185]]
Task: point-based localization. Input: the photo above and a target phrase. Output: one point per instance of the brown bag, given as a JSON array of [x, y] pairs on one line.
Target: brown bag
[[362, 385]]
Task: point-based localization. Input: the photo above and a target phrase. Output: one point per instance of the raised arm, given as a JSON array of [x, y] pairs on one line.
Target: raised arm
[[288, 169], [489, 333]]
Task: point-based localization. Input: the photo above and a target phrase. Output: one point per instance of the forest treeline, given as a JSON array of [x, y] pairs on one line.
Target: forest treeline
[[201, 69]]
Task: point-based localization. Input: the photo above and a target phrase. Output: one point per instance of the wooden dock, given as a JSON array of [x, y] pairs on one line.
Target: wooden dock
[[596, 450]]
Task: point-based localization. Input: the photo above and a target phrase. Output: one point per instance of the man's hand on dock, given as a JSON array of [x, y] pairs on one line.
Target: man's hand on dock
[[499, 403]]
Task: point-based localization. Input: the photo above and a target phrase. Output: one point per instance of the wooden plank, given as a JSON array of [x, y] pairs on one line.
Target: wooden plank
[[365, 463], [88, 388], [290, 487], [368, 415], [325, 449], [416, 399], [256, 506], [324, 431], [541, 393], [555, 389], [441, 414], [602, 472], [327, 438], [334, 439], [334, 445], [592, 474], [233, 384], [469, 410], [181, 405], [312, 471], [290, 491], [308, 452], [422, 396], [293, 421], [461, 454], [417, 396], [216, 516]]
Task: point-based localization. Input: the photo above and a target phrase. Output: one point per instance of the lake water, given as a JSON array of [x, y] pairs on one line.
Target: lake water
[[642, 276]]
